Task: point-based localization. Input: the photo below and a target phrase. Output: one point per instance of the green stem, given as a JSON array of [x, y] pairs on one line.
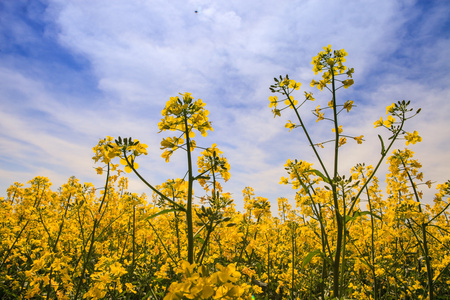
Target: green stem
[[190, 227], [339, 219]]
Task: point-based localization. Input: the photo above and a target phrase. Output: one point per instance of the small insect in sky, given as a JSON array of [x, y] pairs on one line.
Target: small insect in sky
[[196, 11]]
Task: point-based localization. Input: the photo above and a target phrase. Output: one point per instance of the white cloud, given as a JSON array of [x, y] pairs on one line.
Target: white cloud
[[139, 54]]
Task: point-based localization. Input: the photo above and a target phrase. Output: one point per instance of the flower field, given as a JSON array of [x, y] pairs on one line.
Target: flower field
[[344, 238]]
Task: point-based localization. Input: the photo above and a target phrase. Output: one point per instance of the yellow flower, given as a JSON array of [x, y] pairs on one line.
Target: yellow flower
[[128, 168], [117, 269], [420, 176], [348, 83], [390, 120], [330, 103], [412, 138], [350, 72], [285, 82], [167, 143], [273, 101], [321, 84], [207, 292], [309, 96], [317, 109], [290, 125], [166, 155], [359, 139], [320, 116], [339, 129], [276, 112], [130, 287], [348, 105], [378, 123], [294, 85], [390, 108], [284, 180], [290, 100]]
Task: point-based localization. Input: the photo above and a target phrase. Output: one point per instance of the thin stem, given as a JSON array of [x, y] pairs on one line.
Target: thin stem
[[339, 219], [190, 227]]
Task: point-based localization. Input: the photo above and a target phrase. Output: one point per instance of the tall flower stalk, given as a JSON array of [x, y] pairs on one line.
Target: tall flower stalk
[[317, 186]]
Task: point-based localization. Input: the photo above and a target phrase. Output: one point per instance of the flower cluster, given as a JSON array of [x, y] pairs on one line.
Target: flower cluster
[[211, 161], [331, 64], [197, 283], [286, 87], [127, 150], [183, 115]]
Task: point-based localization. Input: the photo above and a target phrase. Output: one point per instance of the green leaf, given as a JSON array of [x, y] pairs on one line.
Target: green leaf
[[358, 214], [361, 213], [318, 173], [199, 238], [349, 219], [382, 145], [165, 211], [310, 256]]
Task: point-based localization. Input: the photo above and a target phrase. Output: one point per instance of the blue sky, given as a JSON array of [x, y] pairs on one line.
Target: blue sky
[[72, 72]]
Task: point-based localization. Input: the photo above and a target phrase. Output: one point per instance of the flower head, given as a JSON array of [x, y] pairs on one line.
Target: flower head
[[412, 138]]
